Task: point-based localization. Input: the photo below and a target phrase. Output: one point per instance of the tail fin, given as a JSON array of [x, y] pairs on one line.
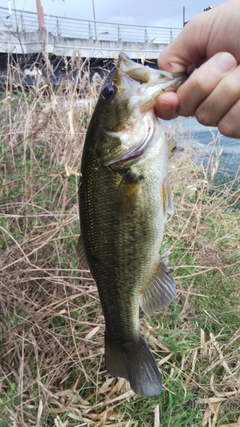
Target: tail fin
[[134, 362]]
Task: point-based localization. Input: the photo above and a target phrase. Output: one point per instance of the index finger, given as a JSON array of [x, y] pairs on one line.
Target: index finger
[[189, 47]]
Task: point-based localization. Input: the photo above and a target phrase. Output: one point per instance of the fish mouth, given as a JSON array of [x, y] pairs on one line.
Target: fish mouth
[[155, 82], [134, 137]]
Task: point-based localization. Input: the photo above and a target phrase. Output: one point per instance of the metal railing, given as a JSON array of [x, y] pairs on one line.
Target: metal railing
[[21, 21]]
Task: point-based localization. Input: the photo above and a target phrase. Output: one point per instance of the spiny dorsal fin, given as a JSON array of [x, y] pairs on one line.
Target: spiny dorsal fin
[[81, 253], [159, 292]]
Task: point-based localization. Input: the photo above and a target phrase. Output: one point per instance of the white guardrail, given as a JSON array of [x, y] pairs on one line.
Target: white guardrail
[[21, 21]]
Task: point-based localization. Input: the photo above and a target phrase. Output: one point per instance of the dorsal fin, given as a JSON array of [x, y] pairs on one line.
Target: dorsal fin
[[167, 199], [81, 253]]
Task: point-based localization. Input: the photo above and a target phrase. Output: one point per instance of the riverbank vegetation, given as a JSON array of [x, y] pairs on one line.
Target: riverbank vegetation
[[51, 323]]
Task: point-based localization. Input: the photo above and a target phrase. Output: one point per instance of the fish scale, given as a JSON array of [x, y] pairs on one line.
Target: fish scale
[[110, 243]]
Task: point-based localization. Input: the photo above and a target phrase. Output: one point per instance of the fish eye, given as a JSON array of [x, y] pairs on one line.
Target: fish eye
[[108, 92]]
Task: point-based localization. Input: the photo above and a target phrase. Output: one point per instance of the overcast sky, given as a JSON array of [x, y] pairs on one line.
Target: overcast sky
[[163, 13]]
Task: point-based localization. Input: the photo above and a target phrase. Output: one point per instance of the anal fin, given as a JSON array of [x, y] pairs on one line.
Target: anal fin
[[159, 291], [172, 146]]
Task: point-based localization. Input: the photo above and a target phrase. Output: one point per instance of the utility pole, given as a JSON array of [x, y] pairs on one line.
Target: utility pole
[[9, 8], [40, 16], [94, 18], [184, 16]]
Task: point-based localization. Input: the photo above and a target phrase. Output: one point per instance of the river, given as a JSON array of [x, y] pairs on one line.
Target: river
[[206, 140]]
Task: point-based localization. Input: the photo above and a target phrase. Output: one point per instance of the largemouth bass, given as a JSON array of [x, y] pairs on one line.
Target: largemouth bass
[[124, 198]]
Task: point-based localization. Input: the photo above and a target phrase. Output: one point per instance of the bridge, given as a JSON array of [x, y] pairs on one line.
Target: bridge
[[20, 34]]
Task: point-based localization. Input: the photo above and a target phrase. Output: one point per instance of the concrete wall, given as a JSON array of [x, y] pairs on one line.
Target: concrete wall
[[41, 41]]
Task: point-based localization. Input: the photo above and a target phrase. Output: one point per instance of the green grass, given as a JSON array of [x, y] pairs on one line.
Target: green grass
[[51, 325]]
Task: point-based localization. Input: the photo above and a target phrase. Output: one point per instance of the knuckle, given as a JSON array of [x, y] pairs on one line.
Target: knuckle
[[200, 81], [227, 129], [231, 89], [204, 117], [229, 125], [184, 112]]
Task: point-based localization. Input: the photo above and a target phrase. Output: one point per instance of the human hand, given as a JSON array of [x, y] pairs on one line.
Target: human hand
[[211, 44]]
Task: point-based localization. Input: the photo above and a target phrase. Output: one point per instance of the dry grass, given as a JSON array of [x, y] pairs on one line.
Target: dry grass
[[51, 347]]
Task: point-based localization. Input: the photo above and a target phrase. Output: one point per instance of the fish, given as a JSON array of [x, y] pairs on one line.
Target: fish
[[124, 198]]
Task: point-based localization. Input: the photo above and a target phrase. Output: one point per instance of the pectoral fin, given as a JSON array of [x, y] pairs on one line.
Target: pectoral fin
[[167, 199], [127, 194], [160, 290]]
